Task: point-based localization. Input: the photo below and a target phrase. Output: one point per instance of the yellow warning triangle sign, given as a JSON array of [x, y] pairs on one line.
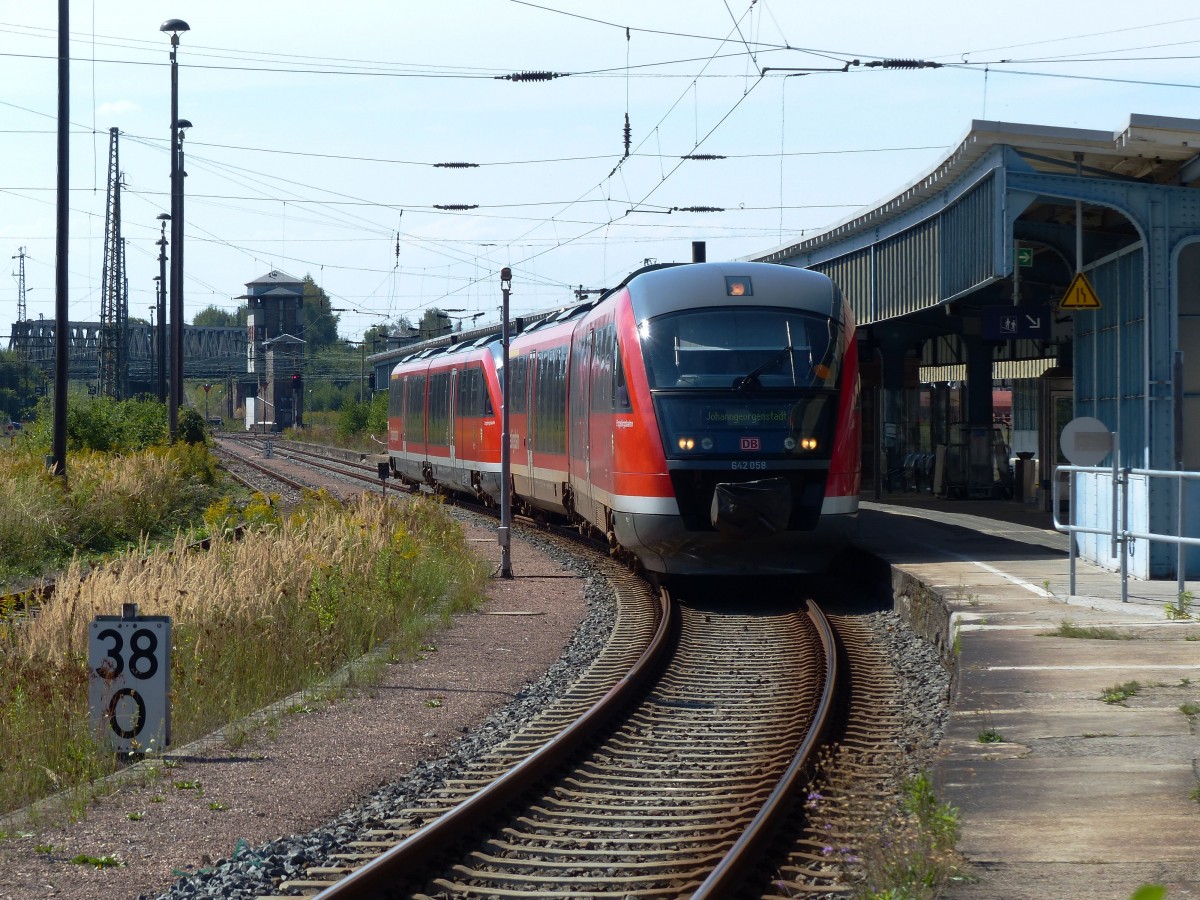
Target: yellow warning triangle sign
[[1079, 295]]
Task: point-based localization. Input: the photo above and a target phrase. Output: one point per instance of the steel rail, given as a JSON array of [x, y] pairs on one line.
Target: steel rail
[[245, 460], [377, 877], [730, 872], [317, 461]]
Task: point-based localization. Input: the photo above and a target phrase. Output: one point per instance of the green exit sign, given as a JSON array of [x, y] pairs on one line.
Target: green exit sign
[[1025, 257]]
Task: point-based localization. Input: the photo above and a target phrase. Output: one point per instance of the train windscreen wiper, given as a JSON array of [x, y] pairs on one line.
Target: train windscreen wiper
[[750, 379]]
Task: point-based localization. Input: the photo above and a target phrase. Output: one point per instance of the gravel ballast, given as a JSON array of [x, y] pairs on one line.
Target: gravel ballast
[[296, 790]]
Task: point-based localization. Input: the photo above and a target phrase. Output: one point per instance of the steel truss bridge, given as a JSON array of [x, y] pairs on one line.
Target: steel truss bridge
[[208, 353]]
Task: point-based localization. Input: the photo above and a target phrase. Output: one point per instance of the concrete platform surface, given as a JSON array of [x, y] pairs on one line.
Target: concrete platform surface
[[1080, 798]]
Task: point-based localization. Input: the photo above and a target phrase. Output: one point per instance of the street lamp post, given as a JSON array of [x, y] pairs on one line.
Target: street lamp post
[[174, 26], [505, 440], [160, 338]]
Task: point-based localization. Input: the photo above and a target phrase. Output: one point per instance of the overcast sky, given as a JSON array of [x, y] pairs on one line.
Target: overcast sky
[[318, 128]]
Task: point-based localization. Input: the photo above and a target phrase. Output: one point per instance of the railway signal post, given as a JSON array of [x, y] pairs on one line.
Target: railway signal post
[[502, 534]]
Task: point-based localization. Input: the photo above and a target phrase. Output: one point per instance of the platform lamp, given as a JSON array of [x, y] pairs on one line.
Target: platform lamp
[[175, 396], [502, 535], [160, 337]]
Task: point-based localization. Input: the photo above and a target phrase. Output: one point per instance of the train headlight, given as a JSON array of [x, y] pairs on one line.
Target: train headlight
[[808, 443], [687, 443], [706, 443], [789, 443]]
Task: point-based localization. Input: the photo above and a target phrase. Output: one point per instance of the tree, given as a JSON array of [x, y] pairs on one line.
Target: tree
[[377, 336], [318, 321], [21, 384], [215, 317], [434, 323]]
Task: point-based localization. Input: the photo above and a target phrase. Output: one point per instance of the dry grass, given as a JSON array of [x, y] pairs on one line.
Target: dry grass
[[253, 620], [107, 502]]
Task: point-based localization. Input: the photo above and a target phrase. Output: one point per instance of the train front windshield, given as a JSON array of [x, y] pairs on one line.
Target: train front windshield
[[743, 382]]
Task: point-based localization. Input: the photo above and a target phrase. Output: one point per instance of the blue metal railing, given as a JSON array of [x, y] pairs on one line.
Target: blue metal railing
[[1118, 527]]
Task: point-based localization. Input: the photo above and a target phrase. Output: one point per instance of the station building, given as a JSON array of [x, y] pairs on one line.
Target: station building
[[980, 342]]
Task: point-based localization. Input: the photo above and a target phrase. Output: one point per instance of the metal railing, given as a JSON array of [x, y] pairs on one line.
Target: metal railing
[[1119, 533]]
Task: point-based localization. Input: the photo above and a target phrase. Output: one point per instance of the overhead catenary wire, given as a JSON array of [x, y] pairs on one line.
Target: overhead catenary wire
[[564, 224]]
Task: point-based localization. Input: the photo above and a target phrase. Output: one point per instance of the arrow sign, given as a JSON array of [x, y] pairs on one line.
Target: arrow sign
[[1079, 295], [1007, 323]]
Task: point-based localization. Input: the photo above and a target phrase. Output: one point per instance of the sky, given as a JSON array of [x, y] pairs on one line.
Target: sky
[[320, 131]]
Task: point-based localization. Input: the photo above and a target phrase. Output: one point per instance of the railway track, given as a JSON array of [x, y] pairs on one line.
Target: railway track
[[683, 764], [669, 796]]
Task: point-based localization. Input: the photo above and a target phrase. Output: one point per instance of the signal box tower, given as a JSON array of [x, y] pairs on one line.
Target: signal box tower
[[274, 352]]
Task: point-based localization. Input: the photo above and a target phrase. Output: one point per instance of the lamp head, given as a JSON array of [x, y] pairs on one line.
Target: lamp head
[[174, 26]]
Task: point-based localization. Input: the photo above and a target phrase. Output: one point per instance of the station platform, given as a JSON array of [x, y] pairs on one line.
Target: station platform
[[1074, 797]]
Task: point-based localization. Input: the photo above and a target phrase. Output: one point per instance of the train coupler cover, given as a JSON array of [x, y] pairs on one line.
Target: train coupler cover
[[751, 509]]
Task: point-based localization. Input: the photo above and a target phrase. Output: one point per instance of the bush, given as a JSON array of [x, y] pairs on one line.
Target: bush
[[104, 424], [191, 427], [360, 418]]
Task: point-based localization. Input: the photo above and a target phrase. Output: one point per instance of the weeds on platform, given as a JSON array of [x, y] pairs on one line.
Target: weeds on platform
[[1089, 632], [915, 856], [1182, 608], [254, 620], [1119, 693]]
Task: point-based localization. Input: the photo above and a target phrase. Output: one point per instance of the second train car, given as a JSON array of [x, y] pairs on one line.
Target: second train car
[[704, 417]]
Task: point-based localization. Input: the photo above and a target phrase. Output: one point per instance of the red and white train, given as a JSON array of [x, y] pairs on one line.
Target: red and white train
[[704, 417]]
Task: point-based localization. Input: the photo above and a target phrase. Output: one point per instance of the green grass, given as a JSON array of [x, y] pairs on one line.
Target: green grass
[[340, 583], [107, 503], [1119, 693], [915, 857], [989, 736], [99, 862], [1089, 632]]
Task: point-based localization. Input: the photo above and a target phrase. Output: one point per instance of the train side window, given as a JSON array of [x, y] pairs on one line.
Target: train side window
[[519, 383], [463, 406], [549, 430], [488, 410], [581, 360], [471, 395], [395, 397], [439, 409], [601, 370], [620, 387], [415, 398]]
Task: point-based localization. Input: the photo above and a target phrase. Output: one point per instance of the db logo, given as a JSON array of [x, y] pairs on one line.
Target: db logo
[[751, 443]]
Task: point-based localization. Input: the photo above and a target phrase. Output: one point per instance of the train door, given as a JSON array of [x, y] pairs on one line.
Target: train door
[[452, 412], [531, 396], [583, 413], [403, 412]]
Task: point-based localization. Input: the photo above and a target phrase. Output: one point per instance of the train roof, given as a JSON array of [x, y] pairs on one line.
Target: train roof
[[565, 314], [660, 290]]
